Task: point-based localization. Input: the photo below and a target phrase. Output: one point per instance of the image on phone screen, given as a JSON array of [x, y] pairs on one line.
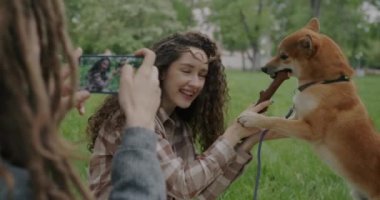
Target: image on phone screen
[[101, 73]]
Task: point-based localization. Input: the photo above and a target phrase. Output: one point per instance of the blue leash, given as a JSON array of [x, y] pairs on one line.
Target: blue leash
[[262, 135]]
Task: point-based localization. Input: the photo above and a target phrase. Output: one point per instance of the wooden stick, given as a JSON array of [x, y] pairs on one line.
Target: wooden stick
[[280, 77]]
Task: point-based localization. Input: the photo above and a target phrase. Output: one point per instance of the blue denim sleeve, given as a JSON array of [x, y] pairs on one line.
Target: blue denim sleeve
[[136, 171], [22, 189]]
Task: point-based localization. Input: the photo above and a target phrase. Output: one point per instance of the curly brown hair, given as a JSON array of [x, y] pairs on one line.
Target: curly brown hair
[[34, 42], [210, 104]]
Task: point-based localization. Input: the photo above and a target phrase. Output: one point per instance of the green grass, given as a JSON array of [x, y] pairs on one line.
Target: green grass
[[290, 170]]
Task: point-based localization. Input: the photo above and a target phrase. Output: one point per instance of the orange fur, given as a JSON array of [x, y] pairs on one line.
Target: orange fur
[[331, 117]]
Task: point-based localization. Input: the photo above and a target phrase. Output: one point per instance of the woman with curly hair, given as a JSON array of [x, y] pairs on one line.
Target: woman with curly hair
[[191, 116], [98, 76]]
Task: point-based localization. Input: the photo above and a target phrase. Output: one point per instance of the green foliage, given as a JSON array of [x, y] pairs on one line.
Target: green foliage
[[241, 25], [344, 21], [231, 30], [227, 15], [184, 13], [124, 26], [371, 54], [348, 28], [286, 19]]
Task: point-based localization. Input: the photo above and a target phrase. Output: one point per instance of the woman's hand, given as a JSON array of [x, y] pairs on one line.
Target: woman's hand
[[235, 133], [80, 96], [140, 93]]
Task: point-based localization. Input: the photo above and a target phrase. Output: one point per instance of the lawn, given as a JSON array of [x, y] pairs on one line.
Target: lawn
[[290, 170]]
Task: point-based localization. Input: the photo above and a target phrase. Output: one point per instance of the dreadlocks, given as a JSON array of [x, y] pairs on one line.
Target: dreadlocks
[[34, 43]]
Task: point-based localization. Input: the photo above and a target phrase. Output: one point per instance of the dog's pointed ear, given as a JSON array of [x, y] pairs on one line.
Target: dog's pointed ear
[[306, 43], [313, 25]]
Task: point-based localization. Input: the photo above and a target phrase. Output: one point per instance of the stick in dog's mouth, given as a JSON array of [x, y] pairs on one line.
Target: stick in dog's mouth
[[272, 73], [279, 77], [284, 72]]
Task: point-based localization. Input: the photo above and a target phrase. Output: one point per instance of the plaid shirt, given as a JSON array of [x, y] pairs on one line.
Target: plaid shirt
[[187, 174]]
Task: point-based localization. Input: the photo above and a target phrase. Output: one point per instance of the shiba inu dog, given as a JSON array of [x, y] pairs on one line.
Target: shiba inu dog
[[329, 114]]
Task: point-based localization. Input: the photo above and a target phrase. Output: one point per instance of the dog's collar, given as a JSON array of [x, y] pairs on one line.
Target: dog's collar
[[340, 79]]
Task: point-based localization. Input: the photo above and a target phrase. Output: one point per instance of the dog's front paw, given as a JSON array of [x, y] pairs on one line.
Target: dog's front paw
[[250, 119]]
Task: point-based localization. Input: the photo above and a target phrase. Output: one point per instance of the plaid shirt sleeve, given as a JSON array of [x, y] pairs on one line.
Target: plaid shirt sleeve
[[187, 179], [230, 173], [100, 163]]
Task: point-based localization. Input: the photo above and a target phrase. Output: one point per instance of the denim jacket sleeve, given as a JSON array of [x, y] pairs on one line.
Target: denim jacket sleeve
[[136, 172], [21, 189]]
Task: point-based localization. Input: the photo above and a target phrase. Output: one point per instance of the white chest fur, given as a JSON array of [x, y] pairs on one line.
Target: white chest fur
[[304, 103]]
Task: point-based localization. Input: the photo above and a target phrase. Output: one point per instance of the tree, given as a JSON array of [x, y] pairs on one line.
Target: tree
[[315, 6], [124, 26], [241, 25], [344, 21], [372, 52]]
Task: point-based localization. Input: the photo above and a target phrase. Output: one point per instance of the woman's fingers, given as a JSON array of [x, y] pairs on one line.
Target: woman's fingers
[[149, 58], [80, 98], [126, 78], [65, 73], [77, 54], [257, 108]]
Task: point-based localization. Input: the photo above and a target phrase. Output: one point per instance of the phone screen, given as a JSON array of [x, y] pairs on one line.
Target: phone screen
[[101, 74]]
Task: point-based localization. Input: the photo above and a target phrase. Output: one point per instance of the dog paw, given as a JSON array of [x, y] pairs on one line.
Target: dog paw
[[249, 119]]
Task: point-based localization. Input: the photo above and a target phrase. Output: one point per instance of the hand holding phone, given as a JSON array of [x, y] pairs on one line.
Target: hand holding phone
[[101, 73], [140, 93]]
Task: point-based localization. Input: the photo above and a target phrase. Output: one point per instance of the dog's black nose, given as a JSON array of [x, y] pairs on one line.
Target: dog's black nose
[[264, 69]]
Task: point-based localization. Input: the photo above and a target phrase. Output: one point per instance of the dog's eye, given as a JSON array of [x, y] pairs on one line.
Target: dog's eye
[[284, 56]]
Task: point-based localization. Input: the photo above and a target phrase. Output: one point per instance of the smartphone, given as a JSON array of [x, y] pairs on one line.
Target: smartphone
[[101, 73]]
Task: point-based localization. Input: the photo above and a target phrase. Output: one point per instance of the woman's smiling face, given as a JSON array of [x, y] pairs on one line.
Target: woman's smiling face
[[184, 80], [104, 65]]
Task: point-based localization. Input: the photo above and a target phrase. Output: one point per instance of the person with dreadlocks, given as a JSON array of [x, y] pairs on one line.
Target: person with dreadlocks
[[191, 114], [37, 90]]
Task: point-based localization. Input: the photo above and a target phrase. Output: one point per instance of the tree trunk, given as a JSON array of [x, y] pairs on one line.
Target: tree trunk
[[257, 59], [315, 7], [243, 60], [253, 41]]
